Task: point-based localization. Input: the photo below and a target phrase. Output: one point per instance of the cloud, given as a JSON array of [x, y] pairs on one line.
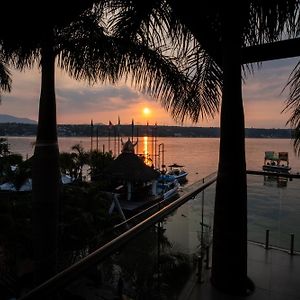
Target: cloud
[[107, 98], [268, 81], [78, 102]]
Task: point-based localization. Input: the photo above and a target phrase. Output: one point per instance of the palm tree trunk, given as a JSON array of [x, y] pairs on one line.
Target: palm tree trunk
[[46, 176], [229, 266]]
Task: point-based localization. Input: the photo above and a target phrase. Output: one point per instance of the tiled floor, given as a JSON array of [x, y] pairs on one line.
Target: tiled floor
[[276, 275]]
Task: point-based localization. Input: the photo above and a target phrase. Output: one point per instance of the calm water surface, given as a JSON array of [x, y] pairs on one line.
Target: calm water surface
[[199, 155], [271, 205]]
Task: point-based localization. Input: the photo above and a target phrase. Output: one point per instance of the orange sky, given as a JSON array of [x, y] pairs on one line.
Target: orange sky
[[79, 103]]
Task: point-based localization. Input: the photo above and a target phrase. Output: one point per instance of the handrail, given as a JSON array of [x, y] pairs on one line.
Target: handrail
[[159, 204], [70, 273]]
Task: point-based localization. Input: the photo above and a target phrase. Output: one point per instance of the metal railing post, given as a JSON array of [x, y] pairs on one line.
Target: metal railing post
[[207, 257], [292, 244], [199, 265], [267, 238]]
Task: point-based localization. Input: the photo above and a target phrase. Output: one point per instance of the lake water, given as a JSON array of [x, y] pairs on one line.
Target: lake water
[[198, 155], [271, 205]]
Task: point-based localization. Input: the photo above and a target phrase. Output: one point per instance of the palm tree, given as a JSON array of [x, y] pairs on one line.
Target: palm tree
[[31, 37], [81, 158], [223, 41], [85, 50]]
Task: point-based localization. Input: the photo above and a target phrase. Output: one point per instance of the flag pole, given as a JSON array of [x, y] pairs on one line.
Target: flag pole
[[92, 129], [137, 140], [118, 135], [109, 136], [97, 138], [115, 140], [155, 144], [132, 130]]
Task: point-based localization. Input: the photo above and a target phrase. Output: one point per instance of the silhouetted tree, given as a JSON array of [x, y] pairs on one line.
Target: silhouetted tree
[[293, 104], [5, 76], [62, 31], [221, 31]]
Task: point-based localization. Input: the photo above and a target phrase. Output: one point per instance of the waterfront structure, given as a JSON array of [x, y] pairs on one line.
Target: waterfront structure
[[276, 162]]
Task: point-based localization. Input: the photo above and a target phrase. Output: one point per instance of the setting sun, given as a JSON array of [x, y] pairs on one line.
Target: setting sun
[[146, 111]]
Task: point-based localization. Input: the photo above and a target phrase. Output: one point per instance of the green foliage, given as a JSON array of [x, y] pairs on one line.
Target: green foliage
[[15, 223], [67, 164], [14, 170], [98, 162], [84, 222], [22, 173], [72, 163], [4, 147], [85, 216]]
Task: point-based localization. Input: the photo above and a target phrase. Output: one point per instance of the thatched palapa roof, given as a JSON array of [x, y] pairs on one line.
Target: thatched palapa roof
[[128, 166]]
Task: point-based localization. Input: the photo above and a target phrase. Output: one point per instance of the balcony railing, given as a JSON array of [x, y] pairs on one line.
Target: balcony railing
[[155, 258]]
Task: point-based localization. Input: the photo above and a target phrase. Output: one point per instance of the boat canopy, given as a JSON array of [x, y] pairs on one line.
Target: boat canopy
[[277, 156], [175, 166]]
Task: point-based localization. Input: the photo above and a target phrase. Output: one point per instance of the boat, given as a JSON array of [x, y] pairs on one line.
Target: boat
[[167, 186], [178, 171], [277, 162]]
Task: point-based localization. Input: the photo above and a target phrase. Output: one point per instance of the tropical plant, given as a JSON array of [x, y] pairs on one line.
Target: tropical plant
[[5, 77], [293, 104], [4, 147], [72, 163], [34, 42], [98, 161], [67, 164], [217, 57], [12, 167], [84, 220], [85, 50], [81, 158]]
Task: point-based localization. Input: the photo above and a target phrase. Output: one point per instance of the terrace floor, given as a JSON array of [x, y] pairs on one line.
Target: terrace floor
[[276, 275]]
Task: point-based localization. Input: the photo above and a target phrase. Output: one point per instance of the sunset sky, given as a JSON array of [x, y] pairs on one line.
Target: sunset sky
[[78, 103]]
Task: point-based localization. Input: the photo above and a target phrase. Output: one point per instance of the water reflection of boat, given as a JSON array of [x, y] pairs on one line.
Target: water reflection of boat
[[178, 171], [278, 181], [276, 162]]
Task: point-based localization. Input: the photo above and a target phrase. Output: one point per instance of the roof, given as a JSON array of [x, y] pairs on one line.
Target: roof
[[130, 167]]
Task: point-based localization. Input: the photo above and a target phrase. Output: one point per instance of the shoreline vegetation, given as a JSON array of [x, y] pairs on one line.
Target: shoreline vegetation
[[101, 130]]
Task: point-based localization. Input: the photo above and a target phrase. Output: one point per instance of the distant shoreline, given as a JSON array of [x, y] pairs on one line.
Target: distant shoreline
[[70, 130]]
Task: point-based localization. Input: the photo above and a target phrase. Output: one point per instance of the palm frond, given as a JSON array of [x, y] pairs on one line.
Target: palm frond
[[268, 21], [5, 78], [89, 52], [296, 137], [204, 93], [156, 25], [292, 103]]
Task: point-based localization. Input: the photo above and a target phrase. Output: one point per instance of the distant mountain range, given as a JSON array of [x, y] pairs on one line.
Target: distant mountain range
[[12, 119]]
